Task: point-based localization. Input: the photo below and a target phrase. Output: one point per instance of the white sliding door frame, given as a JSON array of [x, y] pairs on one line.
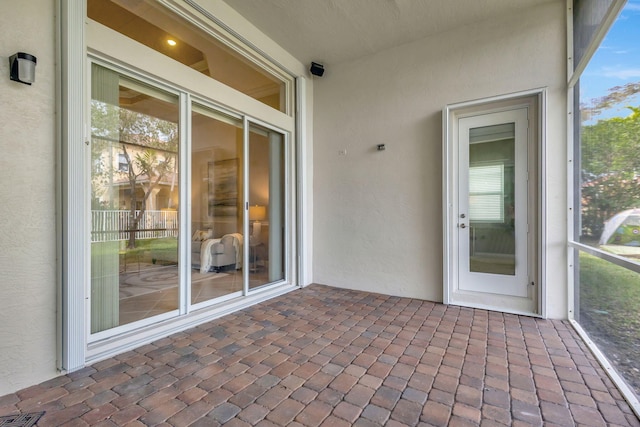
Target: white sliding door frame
[[72, 199], [78, 36]]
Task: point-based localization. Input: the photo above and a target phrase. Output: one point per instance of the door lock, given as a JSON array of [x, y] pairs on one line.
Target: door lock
[[463, 216]]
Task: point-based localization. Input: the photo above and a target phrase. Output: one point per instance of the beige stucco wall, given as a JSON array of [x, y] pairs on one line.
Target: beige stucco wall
[[27, 171], [378, 215]]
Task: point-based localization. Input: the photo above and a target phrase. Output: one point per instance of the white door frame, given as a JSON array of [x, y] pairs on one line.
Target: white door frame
[[535, 100]]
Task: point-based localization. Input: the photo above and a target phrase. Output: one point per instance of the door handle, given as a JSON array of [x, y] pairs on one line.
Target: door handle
[[463, 226]]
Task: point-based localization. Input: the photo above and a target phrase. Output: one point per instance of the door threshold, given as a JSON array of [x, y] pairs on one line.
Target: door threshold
[[495, 308]]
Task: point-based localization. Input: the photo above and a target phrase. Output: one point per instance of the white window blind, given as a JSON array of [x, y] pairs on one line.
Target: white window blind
[[486, 193]]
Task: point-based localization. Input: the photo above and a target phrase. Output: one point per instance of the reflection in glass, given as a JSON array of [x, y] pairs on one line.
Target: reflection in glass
[[266, 206], [216, 201], [492, 199], [134, 200]]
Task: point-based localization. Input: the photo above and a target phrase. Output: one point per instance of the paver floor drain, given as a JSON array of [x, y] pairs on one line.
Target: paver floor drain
[[22, 420]]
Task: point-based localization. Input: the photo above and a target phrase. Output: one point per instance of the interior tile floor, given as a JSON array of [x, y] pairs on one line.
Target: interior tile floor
[[158, 299], [322, 356]]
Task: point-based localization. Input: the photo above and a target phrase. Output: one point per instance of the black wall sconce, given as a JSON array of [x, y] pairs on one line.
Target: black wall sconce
[[22, 68]]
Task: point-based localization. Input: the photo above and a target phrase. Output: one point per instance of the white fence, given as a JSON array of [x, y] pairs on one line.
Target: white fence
[[113, 225]]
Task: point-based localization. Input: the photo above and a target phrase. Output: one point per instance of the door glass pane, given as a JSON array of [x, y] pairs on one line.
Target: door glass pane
[[150, 23], [134, 200], [492, 199], [216, 201], [266, 206]]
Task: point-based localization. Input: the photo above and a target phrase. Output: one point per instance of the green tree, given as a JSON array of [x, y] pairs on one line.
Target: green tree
[[149, 167], [104, 136], [153, 169], [149, 146], [615, 96], [610, 169]]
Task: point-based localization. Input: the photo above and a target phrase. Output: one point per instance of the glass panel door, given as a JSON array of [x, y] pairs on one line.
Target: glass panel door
[[493, 209], [134, 200], [266, 202], [216, 204]]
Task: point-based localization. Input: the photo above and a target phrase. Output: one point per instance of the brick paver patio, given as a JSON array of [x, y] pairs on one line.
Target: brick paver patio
[[322, 356]]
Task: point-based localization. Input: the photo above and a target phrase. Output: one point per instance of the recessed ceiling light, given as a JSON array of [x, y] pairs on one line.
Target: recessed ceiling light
[[171, 42]]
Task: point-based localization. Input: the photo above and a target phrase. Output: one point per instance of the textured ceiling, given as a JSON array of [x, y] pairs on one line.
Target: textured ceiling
[[333, 31]]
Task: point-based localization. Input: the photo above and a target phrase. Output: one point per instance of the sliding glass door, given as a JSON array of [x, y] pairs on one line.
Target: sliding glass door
[[161, 164], [267, 201], [216, 204], [232, 206], [134, 200]]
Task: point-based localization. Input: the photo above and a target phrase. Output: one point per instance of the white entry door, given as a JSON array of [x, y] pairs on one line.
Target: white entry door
[[492, 205], [493, 213]]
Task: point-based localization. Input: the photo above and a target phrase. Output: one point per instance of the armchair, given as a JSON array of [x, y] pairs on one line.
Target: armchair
[[216, 254]]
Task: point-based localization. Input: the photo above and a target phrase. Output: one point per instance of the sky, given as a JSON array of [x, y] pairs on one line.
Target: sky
[[616, 62]]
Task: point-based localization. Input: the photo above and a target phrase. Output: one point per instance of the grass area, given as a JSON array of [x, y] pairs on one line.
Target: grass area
[[610, 294], [610, 313], [162, 250], [168, 243]]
